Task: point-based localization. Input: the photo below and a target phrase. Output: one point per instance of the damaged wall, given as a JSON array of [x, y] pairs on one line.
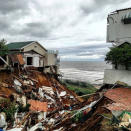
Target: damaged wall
[[37, 60]]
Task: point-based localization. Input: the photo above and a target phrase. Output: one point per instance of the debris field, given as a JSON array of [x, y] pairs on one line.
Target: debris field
[[31, 100]]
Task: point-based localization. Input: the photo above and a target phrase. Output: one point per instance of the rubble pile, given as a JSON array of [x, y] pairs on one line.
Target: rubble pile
[[31, 101], [38, 101], [111, 112]]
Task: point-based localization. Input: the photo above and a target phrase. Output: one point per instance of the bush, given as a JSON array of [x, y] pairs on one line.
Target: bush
[[120, 56], [3, 48], [9, 108]]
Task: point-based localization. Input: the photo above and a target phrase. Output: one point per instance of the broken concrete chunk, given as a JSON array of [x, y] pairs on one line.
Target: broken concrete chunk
[[124, 124], [31, 82], [60, 129], [3, 84], [18, 89], [37, 126], [41, 92], [48, 90], [51, 121], [49, 98], [42, 115], [3, 122], [23, 101], [16, 82], [15, 129], [63, 93], [62, 112], [26, 82], [72, 97]]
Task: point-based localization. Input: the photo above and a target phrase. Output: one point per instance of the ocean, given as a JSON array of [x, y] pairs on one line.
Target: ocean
[[86, 71]]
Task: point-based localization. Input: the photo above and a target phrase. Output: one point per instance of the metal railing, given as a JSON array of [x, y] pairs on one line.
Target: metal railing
[[52, 51]]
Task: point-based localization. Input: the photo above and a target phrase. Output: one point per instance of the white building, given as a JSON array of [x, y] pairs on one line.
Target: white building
[[118, 32], [31, 54], [119, 26]]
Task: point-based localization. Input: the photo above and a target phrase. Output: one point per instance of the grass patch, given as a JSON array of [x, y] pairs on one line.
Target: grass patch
[[80, 88]]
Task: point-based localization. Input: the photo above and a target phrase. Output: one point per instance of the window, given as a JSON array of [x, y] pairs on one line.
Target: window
[[29, 60]]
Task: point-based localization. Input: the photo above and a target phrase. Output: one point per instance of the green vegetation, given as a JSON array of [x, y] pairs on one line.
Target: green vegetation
[[120, 56], [79, 117], [80, 88], [3, 48], [9, 108]]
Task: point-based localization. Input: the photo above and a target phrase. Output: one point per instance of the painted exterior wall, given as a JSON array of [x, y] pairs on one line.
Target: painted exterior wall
[[121, 67], [51, 58], [117, 31], [36, 47], [38, 60], [112, 76]]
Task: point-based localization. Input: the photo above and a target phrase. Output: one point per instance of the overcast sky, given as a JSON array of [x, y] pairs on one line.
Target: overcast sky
[[77, 28]]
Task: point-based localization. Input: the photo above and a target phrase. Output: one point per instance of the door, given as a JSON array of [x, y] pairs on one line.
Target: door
[[36, 61]]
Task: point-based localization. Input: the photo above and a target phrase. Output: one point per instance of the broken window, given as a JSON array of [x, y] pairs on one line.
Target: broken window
[[29, 60]]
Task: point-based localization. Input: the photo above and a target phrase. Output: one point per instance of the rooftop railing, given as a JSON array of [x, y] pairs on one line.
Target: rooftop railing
[[53, 51]]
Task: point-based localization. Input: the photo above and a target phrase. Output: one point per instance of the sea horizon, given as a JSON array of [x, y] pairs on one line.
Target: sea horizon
[[85, 71]]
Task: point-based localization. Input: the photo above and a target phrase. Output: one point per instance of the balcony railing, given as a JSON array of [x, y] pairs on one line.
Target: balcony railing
[[53, 51]]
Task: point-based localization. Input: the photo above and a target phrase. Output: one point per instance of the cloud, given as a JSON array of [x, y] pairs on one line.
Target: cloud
[[89, 51], [12, 6], [77, 28], [36, 29], [98, 5]]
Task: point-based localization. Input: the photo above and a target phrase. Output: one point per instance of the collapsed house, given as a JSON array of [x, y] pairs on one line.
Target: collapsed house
[[31, 54], [34, 100]]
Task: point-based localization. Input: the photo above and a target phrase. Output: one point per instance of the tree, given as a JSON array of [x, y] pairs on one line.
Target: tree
[[125, 58], [3, 48], [120, 56]]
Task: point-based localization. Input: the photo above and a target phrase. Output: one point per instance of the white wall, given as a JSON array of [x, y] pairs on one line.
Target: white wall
[[117, 31], [51, 59], [37, 62], [111, 76]]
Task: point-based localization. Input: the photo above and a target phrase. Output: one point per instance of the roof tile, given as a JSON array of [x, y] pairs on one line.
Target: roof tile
[[121, 97]]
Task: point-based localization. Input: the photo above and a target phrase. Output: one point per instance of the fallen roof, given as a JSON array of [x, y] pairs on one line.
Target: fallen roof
[[18, 45], [37, 105], [122, 98], [118, 107]]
